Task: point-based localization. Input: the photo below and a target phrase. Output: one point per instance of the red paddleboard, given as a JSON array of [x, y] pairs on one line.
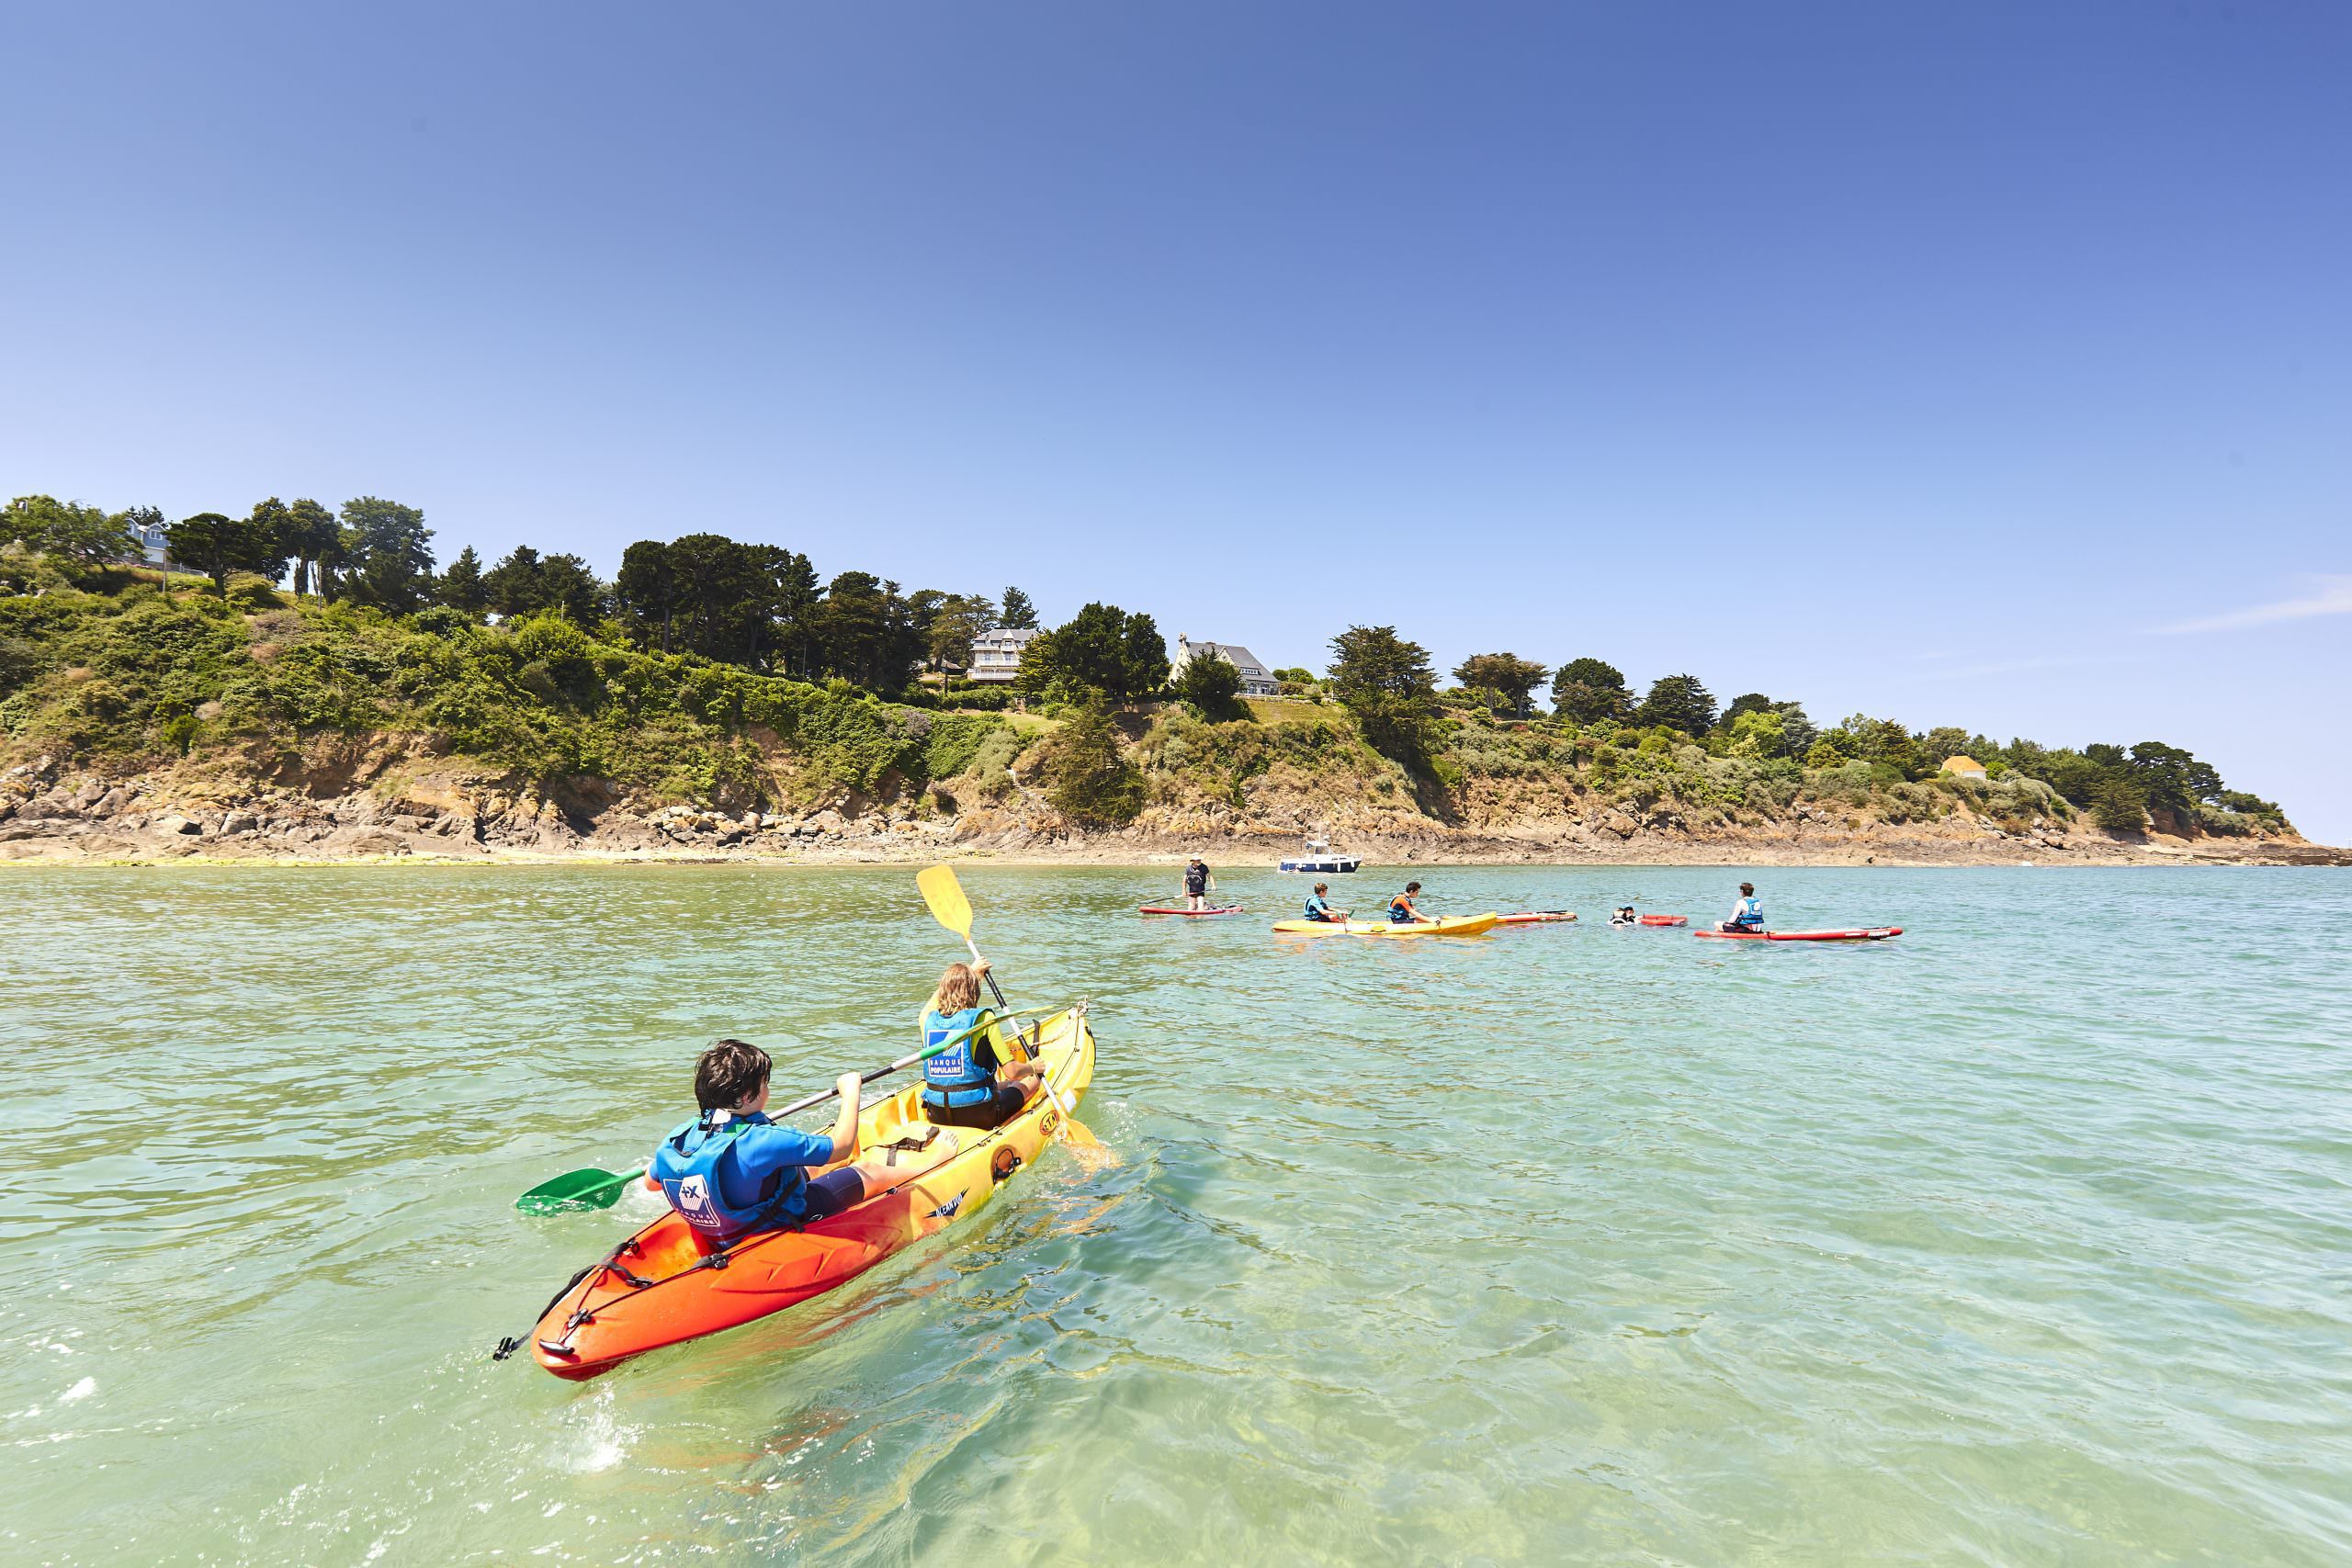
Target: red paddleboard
[[1180, 909], [1534, 918], [1665, 919], [1860, 933]]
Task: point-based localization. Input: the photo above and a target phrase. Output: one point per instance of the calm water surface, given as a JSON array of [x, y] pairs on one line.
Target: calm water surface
[[2026, 1238]]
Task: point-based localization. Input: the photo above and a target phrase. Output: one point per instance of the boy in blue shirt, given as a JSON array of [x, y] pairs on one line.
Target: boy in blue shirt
[[731, 1171]]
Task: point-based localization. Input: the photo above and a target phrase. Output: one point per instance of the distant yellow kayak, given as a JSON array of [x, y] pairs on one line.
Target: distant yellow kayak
[[1461, 925]]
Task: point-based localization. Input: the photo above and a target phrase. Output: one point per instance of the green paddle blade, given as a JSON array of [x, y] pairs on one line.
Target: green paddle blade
[[589, 1189]]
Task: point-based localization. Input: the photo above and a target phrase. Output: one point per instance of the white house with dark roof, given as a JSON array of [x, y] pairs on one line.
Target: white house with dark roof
[[996, 655], [1257, 681]]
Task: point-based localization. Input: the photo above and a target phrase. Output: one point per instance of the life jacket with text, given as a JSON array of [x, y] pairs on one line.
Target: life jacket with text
[[686, 1166], [957, 1076], [1750, 915]]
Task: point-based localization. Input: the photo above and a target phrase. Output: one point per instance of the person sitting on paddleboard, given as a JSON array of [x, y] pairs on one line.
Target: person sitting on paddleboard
[[1400, 909], [1318, 907], [1625, 916], [1748, 915], [1196, 883], [966, 1085], [730, 1171]]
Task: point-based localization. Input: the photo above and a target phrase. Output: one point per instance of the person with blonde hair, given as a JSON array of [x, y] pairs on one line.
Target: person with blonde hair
[[969, 1084]]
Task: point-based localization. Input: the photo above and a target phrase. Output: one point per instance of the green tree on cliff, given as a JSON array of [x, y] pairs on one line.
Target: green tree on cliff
[[387, 554], [1678, 702], [217, 545], [460, 586], [1507, 674], [1586, 691], [71, 531], [1102, 649], [1387, 683], [1212, 685]]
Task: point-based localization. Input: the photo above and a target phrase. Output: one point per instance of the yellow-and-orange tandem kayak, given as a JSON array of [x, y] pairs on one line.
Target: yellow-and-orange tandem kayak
[[668, 1283], [1460, 925]]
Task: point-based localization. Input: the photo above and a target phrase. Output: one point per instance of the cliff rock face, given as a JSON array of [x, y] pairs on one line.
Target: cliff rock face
[[391, 798]]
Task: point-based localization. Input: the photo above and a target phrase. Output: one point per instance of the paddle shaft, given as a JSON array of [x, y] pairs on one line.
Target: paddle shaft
[[885, 1071]]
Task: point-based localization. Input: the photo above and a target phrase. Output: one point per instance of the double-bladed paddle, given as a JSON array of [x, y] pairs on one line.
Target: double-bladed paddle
[[595, 1189]]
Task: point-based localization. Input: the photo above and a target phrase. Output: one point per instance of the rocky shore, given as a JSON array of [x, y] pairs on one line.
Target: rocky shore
[[50, 813]]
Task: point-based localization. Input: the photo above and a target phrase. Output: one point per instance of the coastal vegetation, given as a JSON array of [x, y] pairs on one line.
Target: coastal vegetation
[[713, 670]]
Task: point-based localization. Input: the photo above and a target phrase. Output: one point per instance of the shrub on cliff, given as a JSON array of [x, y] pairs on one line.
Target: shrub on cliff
[[1086, 777]]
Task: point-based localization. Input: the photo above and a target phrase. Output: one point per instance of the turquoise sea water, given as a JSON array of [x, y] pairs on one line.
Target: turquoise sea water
[[2025, 1238]]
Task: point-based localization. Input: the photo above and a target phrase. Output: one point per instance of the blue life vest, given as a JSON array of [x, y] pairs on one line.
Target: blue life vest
[[1316, 909], [957, 1076], [686, 1164], [1750, 913], [1399, 912]]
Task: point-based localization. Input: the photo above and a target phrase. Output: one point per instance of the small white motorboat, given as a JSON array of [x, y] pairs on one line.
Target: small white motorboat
[[1319, 859]]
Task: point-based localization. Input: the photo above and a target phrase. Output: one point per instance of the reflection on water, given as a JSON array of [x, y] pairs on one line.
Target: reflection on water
[[2019, 1239]]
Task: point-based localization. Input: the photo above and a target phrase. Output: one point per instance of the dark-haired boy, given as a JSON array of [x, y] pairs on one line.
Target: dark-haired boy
[[730, 1171]]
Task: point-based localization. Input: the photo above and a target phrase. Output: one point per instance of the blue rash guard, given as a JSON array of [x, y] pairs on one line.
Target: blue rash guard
[[730, 1174]]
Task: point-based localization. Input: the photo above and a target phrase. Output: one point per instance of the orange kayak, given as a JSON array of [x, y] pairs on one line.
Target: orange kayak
[[669, 1284]]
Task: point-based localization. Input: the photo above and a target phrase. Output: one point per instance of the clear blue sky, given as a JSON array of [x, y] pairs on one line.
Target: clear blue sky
[[1935, 361]]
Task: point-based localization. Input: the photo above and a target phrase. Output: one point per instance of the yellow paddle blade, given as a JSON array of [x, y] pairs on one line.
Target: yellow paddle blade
[[1093, 1154], [945, 897]]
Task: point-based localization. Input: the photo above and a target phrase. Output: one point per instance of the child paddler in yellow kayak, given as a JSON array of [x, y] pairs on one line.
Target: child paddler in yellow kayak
[[1401, 911], [968, 1085], [731, 1171]]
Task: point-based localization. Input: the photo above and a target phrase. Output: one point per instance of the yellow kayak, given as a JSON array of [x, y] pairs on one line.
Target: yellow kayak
[[1460, 925]]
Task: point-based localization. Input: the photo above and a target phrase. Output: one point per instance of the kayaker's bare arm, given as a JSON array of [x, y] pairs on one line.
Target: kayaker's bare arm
[[844, 1134]]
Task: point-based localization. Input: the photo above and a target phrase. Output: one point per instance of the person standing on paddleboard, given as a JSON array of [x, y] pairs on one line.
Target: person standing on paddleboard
[[1747, 914], [1401, 911], [967, 1085], [1196, 883], [731, 1171], [1318, 907]]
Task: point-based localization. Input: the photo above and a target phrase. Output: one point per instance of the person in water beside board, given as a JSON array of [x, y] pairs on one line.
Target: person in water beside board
[[1625, 916], [1196, 883], [1401, 911], [1747, 914], [967, 1084], [1318, 907], [731, 1171]]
